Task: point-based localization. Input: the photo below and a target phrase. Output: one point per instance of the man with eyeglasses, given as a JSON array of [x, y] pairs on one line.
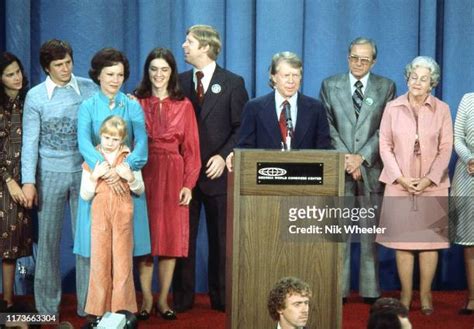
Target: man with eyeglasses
[[354, 103]]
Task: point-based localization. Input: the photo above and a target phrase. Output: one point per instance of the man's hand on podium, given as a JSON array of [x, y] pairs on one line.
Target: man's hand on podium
[[229, 162]]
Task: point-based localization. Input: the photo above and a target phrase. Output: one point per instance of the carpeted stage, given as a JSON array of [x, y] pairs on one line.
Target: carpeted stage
[[446, 304]]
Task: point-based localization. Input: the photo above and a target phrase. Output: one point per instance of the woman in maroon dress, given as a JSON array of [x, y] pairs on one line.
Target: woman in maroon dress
[[170, 174], [15, 226]]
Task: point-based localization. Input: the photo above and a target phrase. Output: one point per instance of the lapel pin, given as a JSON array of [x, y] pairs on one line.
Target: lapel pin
[[369, 101], [216, 88]]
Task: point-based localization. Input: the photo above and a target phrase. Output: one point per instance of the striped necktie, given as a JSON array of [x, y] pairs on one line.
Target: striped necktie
[[357, 98]]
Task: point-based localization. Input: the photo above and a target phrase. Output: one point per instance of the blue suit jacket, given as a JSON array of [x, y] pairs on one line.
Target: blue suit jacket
[[259, 125]]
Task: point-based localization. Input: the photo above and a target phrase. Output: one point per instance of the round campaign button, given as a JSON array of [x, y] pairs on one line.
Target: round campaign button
[[369, 101], [216, 88]]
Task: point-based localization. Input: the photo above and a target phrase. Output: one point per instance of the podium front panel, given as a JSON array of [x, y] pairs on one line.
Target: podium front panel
[[257, 256]]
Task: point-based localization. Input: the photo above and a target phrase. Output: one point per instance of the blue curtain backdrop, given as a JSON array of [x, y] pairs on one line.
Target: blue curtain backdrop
[[252, 31]]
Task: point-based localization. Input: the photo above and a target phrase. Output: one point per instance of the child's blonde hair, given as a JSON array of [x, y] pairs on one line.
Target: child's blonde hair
[[114, 125]]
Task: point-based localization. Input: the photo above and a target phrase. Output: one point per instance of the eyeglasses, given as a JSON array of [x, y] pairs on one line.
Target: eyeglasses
[[414, 78], [363, 60]]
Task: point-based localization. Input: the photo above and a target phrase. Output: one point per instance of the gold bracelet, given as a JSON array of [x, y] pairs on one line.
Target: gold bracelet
[[8, 180]]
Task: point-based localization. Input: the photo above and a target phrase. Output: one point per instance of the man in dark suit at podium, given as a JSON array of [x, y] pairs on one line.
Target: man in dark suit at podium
[[288, 303], [218, 97], [285, 118]]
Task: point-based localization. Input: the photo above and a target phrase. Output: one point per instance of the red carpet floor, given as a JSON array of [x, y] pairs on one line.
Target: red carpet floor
[[446, 304]]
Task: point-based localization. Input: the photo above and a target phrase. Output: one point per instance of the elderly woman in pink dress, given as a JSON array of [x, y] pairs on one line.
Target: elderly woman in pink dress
[[416, 141]]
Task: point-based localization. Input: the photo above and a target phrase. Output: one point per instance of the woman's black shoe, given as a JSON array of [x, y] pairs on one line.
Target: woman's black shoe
[[167, 315], [143, 315]]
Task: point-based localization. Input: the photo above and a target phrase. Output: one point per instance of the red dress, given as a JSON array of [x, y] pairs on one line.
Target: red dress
[[174, 162]]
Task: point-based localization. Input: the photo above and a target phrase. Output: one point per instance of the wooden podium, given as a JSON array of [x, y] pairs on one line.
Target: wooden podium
[[257, 256]]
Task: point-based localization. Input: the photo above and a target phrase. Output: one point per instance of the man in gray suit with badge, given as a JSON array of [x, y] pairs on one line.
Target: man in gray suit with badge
[[354, 102]]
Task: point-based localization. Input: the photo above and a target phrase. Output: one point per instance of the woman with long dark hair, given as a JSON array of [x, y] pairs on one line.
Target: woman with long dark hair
[[169, 175], [15, 228]]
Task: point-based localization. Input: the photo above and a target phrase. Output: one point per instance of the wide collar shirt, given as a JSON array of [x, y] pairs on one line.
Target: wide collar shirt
[[51, 86], [208, 72], [364, 81], [293, 100]]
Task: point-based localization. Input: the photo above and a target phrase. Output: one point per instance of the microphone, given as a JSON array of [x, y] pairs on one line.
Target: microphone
[[289, 126], [289, 122]]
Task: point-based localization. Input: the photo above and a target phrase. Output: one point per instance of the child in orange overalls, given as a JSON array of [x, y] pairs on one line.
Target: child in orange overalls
[[111, 285]]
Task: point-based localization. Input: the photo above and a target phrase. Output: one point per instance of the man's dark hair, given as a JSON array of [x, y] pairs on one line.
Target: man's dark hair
[[53, 50], [384, 319], [390, 304]]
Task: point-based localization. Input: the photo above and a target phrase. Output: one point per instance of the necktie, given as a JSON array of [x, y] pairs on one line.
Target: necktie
[[282, 121], [357, 98], [200, 87]]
